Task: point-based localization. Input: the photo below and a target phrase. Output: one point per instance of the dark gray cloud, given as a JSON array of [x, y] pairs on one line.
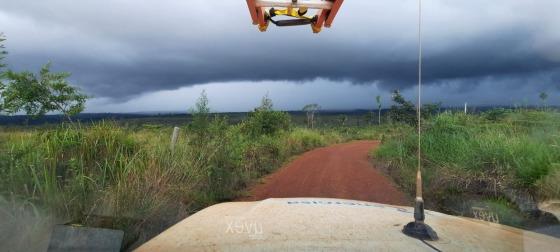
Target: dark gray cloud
[[122, 48]]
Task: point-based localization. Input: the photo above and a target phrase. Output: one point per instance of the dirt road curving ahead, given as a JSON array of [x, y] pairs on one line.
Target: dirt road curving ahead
[[339, 171]]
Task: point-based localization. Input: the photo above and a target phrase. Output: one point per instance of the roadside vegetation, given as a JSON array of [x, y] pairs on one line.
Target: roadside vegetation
[[506, 158], [106, 175]]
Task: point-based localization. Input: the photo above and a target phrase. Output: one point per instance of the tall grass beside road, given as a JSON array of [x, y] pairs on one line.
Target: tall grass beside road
[[489, 154], [109, 176]]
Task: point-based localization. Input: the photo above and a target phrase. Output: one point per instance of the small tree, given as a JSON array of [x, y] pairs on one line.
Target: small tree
[[403, 111], [378, 100], [204, 125], [310, 110], [38, 95], [543, 96], [201, 114], [265, 121]]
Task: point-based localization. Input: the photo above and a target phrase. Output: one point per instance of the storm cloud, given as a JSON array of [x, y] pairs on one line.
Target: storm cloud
[[124, 48]]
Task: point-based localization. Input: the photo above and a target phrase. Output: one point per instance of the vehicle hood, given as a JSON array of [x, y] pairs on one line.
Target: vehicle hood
[[334, 224]]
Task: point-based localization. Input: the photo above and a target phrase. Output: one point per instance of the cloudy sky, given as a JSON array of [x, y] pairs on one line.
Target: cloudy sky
[[159, 55]]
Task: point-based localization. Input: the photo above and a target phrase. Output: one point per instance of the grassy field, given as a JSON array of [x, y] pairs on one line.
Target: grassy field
[[108, 175], [120, 176], [498, 159]]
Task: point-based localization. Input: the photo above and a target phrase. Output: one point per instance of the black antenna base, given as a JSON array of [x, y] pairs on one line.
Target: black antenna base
[[418, 229]]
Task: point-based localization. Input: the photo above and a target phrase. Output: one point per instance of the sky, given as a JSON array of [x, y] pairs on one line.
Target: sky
[[141, 56]]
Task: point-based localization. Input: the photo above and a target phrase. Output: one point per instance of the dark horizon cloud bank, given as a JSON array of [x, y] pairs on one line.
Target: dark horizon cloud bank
[[122, 52]]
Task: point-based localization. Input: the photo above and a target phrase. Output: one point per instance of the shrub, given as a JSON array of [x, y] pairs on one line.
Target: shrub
[[301, 140], [265, 121]]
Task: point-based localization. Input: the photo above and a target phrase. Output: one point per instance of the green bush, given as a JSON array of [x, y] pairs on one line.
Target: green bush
[[266, 121]]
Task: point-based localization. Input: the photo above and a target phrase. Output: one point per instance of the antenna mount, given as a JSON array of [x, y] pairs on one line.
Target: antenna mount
[[418, 229]]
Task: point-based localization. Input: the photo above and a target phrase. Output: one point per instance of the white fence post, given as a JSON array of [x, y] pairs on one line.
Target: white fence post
[[174, 138]]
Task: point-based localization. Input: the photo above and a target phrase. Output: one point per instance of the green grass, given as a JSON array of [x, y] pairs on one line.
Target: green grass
[[480, 154], [127, 178], [106, 175]]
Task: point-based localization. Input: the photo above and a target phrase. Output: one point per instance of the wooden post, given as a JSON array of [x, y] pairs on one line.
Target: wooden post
[[174, 138]]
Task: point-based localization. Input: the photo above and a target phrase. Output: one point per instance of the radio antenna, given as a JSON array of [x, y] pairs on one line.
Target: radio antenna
[[418, 228]]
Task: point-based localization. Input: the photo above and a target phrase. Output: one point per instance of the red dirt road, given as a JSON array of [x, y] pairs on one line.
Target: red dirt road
[[339, 171]]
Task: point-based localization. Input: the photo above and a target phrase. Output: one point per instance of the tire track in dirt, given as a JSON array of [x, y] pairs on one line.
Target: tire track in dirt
[[339, 171]]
